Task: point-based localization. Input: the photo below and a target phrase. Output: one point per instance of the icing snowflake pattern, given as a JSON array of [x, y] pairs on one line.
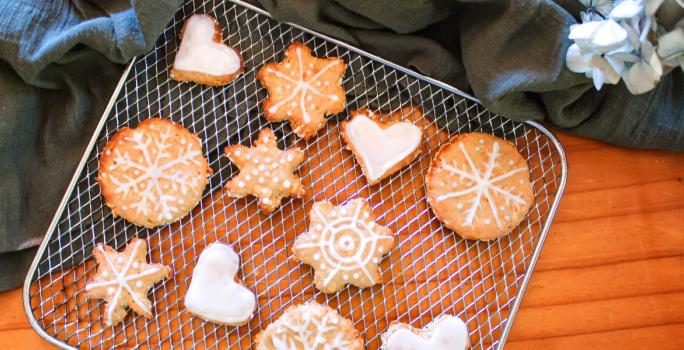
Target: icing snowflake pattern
[[124, 278], [483, 184], [310, 327], [156, 175], [303, 90], [344, 245]]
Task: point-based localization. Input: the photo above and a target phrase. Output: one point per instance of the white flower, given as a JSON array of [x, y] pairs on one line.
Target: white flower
[[627, 9], [671, 46], [643, 75], [592, 65]]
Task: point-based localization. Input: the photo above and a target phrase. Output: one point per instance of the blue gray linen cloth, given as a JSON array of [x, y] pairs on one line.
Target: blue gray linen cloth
[[60, 60]]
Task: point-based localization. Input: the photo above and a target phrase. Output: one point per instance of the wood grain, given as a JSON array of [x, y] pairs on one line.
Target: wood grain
[[611, 274]]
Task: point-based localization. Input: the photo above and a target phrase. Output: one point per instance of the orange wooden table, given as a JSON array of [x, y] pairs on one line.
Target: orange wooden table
[[611, 274]]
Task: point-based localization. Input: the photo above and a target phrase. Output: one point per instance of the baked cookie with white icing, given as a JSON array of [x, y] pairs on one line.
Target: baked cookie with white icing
[[266, 172], [310, 326], [443, 333], [214, 294], [124, 279], [203, 57], [344, 245], [380, 148], [479, 186], [153, 174], [303, 89]]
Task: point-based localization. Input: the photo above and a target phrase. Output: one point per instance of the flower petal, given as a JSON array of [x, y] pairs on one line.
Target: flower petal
[[671, 44], [576, 60], [627, 9], [609, 35], [640, 78]]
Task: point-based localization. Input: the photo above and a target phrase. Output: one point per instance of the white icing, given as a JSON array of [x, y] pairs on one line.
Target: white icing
[[449, 333], [304, 85], [213, 293], [157, 168], [309, 332], [121, 281], [344, 233], [481, 184], [199, 53], [381, 149]]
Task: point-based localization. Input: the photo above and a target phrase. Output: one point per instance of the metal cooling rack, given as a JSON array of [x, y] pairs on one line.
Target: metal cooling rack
[[430, 272]]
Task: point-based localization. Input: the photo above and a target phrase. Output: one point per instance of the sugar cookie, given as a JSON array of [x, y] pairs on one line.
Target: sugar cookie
[[123, 280], [153, 174], [202, 57], [303, 89], [310, 326], [380, 148], [344, 245], [214, 294], [479, 186], [266, 172], [444, 333]]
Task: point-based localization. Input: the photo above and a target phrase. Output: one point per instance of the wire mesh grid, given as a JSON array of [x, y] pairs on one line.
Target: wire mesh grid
[[431, 271]]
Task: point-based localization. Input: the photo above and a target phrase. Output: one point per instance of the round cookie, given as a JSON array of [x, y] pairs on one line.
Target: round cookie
[[310, 326], [479, 186], [153, 174]]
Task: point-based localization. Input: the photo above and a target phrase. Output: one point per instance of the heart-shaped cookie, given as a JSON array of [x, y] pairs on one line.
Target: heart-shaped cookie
[[202, 57], [214, 293], [381, 148], [444, 333]]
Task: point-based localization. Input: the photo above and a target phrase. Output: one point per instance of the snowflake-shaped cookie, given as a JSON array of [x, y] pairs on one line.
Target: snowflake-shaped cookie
[[266, 172], [123, 280], [303, 89], [153, 174], [344, 245], [310, 326], [479, 186]]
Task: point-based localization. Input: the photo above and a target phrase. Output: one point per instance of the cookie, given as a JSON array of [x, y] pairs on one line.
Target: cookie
[[123, 279], [479, 186], [153, 174], [303, 89], [310, 326], [380, 148], [444, 333], [214, 294], [344, 245], [202, 57], [266, 172]]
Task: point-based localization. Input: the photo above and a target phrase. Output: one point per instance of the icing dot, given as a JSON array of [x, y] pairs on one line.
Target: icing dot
[[375, 260], [311, 65], [487, 221], [459, 205], [119, 260], [317, 256], [287, 65], [454, 184], [255, 172], [138, 284], [381, 250], [241, 184], [318, 83], [366, 214], [264, 190], [261, 180], [312, 106], [136, 265], [275, 179], [323, 266], [267, 200], [309, 98], [268, 159], [262, 167], [356, 275], [293, 104], [501, 207], [345, 277], [511, 162], [105, 274], [287, 184], [482, 141], [237, 153], [343, 211], [282, 161], [326, 83], [248, 156], [289, 113], [521, 181], [110, 290], [247, 177], [319, 227], [507, 217]]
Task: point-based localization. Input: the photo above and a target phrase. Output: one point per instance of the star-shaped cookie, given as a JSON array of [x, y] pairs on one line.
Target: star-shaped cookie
[[303, 89], [266, 172], [123, 280], [344, 245]]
